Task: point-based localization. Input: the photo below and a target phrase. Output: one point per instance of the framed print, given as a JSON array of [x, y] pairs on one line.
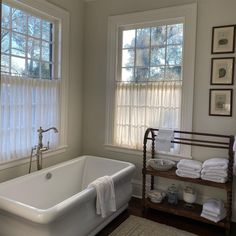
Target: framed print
[[223, 39], [220, 102], [222, 71]]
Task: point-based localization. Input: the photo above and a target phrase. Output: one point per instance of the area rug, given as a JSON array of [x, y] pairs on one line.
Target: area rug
[[136, 226]]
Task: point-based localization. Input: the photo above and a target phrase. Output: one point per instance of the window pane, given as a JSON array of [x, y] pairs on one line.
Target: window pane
[[18, 66], [34, 48], [128, 38], [6, 16], [33, 68], [4, 63], [141, 74], [127, 74], [158, 56], [175, 34], [5, 36], [157, 73], [174, 55], [158, 35], [46, 51], [127, 58], [173, 73], [18, 44], [46, 30], [142, 57], [143, 38], [46, 70], [19, 21], [34, 26]]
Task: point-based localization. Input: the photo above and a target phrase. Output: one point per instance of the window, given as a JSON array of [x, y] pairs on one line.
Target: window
[[151, 82], [34, 75], [27, 44]]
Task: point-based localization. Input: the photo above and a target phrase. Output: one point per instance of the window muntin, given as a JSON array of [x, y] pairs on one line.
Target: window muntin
[[27, 44], [152, 53]]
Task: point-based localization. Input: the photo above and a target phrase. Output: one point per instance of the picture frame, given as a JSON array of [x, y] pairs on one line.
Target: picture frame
[[223, 39], [220, 102], [222, 71]]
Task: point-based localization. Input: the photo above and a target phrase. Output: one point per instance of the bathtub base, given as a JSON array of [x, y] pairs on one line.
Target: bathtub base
[[107, 221]]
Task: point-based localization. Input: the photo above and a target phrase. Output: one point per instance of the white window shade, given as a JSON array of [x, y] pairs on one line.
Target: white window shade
[[27, 104]]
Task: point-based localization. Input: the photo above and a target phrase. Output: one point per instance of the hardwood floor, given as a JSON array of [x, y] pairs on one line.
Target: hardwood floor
[[198, 228]]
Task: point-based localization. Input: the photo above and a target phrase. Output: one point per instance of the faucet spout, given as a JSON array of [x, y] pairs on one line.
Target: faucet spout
[[40, 130]]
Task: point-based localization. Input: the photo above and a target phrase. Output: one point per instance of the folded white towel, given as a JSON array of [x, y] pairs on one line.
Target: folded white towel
[[163, 140], [220, 163], [213, 218], [191, 165], [106, 201], [211, 213], [216, 168], [188, 174], [217, 173], [217, 179], [213, 205]]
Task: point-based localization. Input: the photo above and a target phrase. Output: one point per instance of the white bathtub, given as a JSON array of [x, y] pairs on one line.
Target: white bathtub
[[62, 205]]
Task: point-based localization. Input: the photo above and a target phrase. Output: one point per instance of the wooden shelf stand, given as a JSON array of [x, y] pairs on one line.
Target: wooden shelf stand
[[205, 140]]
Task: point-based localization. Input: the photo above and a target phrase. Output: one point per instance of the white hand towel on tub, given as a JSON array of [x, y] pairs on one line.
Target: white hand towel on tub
[[106, 201], [216, 163], [188, 174], [191, 165], [163, 140]]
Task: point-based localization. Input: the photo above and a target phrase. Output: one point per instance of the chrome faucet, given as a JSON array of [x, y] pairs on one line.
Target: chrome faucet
[[40, 148]]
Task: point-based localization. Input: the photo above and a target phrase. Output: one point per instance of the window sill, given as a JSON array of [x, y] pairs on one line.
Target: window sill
[[22, 161], [134, 152]]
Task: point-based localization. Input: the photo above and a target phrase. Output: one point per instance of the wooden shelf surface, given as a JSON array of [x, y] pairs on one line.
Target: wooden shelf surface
[[172, 175], [182, 210]]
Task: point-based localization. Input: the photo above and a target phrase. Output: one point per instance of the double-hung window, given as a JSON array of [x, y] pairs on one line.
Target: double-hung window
[[33, 76], [150, 74]]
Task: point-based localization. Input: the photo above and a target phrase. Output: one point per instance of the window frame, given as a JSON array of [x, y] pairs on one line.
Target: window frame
[[188, 15], [60, 17]]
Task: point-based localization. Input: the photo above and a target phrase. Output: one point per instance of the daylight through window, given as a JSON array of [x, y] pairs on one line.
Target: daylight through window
[[27, 44]]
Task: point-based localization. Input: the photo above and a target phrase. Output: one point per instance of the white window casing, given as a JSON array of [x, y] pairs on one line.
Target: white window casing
[[183, 13]]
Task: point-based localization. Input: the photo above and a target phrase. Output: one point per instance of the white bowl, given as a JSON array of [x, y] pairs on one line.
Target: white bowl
[[161, 164]]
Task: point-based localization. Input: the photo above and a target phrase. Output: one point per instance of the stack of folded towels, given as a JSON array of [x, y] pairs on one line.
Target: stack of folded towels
[[189, 169], [215, 169], [213, 210]]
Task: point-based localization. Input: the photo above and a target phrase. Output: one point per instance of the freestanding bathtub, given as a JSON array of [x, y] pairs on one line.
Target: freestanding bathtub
[[57, 202]]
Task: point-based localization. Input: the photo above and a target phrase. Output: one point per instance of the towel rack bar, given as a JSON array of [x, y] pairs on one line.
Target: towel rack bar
[[197, 133], [201, 145], [191, 141]]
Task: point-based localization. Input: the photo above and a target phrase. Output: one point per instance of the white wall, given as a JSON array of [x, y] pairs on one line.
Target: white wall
[[210, 13], [75, 8]]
